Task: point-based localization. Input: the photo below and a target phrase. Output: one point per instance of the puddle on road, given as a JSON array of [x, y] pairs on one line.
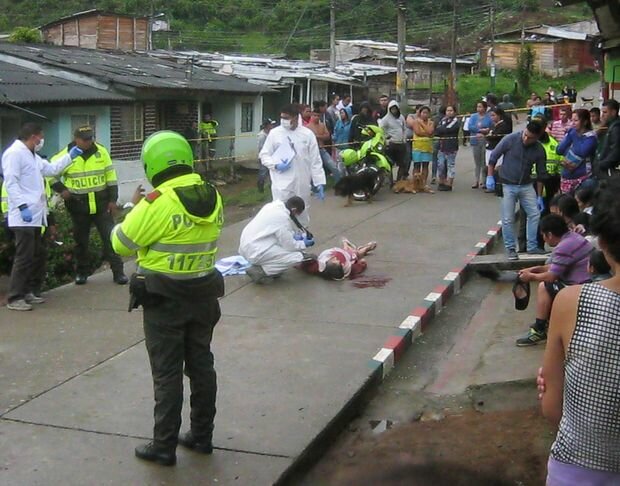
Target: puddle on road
[[370, 281]]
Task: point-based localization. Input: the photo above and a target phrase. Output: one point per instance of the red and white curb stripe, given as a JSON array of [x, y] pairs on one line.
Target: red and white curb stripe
[[418, 320]]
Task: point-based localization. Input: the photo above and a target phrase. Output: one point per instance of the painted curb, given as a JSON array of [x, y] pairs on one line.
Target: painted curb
[[421, 316], [388, 356]]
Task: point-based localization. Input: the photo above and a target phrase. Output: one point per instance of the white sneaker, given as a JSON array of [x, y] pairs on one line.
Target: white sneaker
[[19, 305], [33, 299]]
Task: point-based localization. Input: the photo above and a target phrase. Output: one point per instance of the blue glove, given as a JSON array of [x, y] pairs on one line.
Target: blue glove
[[308, 242], [298, 237], [541, 203], [26, 214], [283, 166], [75, 151], [321, 192], [490, 183]]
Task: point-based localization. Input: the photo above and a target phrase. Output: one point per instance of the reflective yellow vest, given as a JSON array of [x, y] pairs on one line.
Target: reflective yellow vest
[[167, 238], [553, 165], [209, 129], [89, 176]]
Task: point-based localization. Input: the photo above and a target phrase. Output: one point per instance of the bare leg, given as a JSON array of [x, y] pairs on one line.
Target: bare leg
[[425, 174], [543, 302], [363, 250]]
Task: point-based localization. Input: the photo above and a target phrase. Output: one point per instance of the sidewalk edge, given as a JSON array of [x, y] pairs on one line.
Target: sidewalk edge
[[390, 353]]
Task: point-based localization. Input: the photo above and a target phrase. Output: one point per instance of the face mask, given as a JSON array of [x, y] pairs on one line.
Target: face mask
[[38, 147], [286, 124]]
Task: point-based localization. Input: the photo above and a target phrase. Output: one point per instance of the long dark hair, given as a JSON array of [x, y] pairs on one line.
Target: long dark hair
[[584, 118]]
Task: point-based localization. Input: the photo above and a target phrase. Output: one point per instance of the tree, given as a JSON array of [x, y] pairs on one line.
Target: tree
[[525, 67], [25, 34]]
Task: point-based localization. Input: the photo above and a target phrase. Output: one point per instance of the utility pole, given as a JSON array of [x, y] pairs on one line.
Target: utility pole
[[332, 35], [493, 67], [401, 74], [452, 79]]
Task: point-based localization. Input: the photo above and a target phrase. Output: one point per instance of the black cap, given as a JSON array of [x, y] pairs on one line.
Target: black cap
[[84, 133], [267, 121]]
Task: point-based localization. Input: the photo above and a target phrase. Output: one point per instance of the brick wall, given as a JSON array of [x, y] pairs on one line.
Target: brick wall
[[130, 150], [179, 119]]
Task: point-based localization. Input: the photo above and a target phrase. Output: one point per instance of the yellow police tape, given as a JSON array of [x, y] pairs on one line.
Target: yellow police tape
[[465, 115]]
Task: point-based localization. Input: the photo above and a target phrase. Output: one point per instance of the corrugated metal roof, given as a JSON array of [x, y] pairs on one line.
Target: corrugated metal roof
[[537, 32], [138, 70], [387, 46], [278, 72], [21, 85]]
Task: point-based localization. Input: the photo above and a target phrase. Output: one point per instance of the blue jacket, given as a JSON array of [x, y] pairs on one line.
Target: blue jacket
[[485, 122], [579, 149], [341, 134]]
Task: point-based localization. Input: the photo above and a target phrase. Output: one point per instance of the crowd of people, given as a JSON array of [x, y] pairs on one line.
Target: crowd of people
[[562, 171]]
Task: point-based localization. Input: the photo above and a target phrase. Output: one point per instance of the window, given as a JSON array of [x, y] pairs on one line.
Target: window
[[247, 117], [132, 123], [85, 120]]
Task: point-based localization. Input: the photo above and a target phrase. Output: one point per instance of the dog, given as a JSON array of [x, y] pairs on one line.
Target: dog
[[351, 184], [413, 185]]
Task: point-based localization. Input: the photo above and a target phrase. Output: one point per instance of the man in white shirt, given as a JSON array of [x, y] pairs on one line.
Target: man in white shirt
[[23, 179], [291, 153]]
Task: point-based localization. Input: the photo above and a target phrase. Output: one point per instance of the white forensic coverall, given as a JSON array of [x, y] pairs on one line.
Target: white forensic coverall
[[267, 241], [23, 178], [306, 166]]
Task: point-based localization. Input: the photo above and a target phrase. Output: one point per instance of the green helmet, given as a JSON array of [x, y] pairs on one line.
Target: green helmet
[[349, 157], [165, 149]]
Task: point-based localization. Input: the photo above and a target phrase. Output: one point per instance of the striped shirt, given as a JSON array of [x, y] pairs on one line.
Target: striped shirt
[[559, 129], [570, 259]]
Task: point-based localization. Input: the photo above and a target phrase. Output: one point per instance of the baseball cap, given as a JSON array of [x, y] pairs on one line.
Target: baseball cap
[[85, 133], [267, 121]]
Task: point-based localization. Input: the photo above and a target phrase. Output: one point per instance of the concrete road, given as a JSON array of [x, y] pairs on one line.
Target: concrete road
[[76, 387]]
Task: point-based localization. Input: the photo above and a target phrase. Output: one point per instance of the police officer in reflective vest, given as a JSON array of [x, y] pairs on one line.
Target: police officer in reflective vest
[[174, 231], [90, 190]]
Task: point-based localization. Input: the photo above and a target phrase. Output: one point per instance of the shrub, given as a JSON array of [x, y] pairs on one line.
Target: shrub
[[525, 67], [60, 263], [25, 34]]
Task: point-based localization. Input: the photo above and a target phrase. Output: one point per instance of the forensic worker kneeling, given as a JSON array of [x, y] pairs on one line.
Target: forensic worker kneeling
[[274, 240], [174, 231]]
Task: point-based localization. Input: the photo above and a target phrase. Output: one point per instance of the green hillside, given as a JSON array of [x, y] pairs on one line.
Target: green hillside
[[295, 26]]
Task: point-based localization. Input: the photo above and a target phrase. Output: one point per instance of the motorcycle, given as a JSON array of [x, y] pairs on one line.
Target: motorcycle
[[370, 158]]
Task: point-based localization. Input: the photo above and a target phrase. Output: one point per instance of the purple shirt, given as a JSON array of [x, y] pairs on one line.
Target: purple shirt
[[570, 259]]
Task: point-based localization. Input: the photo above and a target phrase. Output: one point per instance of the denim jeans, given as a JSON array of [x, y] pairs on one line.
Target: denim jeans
[[526, 195], [446, 165], [330, 165]]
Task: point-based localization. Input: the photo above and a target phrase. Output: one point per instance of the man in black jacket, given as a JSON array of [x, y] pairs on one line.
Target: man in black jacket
[[608, 159], [358, 122]]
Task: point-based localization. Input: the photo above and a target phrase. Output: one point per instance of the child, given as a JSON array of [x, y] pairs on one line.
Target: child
[[598, 267]]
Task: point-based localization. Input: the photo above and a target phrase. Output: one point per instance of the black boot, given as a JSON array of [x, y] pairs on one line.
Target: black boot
[[120, 278], [149, 452], [199, 445]]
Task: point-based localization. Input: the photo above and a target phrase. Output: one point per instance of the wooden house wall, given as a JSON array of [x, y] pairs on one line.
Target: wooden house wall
[[552, 58], [100, 32]]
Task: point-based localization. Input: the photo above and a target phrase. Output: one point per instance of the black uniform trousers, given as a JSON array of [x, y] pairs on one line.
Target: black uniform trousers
[[104, 223], [179, 333], [29, 262]]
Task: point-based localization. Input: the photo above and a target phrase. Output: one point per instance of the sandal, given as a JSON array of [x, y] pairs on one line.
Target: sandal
[[475, 186]]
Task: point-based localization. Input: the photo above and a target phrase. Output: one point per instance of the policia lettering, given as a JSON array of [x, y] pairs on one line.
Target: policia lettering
[[92, 183], [174, 231]]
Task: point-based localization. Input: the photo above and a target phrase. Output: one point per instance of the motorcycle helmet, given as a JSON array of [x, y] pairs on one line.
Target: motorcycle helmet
[[165, 149], [349, 157]]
